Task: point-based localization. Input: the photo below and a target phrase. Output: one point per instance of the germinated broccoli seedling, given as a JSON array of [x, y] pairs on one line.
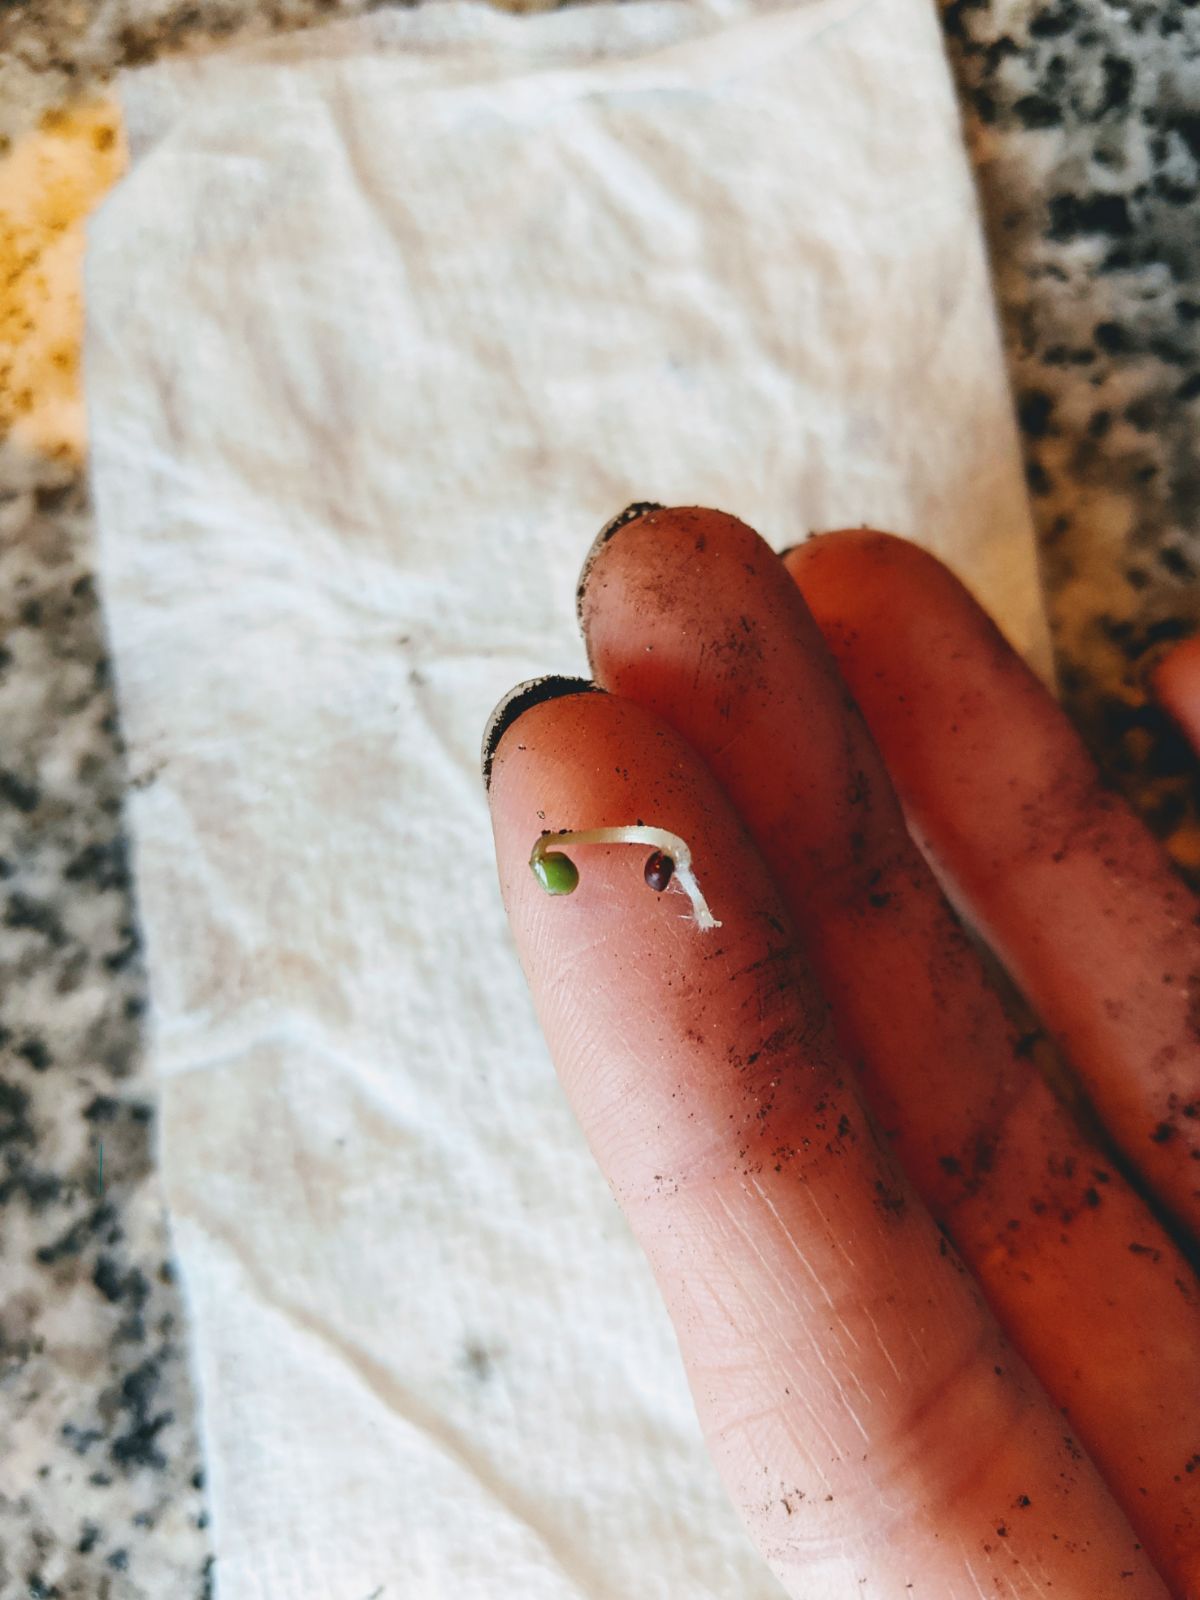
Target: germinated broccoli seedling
[[671, 859]]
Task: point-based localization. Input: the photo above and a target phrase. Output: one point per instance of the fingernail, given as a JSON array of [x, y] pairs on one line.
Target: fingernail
[[519, 700], [631, 513]]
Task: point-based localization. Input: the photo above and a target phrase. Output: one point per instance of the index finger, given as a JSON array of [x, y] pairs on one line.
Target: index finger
[[872, 1425]]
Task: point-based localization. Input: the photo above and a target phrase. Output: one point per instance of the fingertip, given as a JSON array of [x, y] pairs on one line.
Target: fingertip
[[862, 584], [1175, 684], [632, 513], [653, 567], [654, 522], [518, 700], [851, 552], [814, 539]]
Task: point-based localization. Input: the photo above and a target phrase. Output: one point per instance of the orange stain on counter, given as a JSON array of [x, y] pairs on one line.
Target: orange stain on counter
[[49, 183]]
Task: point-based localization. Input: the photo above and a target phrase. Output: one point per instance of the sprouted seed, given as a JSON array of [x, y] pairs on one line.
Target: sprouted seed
[[659, 870], [556, 873], [671, 858]]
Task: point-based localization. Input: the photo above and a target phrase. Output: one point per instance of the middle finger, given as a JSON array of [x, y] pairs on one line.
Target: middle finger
[[690, 613]]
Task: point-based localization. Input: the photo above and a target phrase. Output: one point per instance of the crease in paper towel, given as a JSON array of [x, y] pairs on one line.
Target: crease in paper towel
[[382, 328]]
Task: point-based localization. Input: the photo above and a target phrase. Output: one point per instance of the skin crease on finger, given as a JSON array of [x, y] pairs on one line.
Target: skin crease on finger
[[1071, 891], [871, 1423], [689, 612]]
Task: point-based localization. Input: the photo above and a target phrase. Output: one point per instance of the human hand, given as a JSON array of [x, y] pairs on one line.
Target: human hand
[[893, 1414]]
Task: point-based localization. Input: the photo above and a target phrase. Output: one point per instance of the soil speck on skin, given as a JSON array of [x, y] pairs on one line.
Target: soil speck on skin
[[985, 1153]]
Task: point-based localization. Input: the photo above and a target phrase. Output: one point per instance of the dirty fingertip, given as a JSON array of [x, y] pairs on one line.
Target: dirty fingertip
[[516, 702], [632, 513]]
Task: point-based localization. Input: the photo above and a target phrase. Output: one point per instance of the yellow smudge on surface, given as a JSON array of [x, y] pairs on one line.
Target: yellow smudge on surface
[[49, 182], [1184, 847]]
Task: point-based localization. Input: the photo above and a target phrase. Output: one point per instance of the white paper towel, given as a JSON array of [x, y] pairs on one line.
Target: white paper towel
[[384, 324]]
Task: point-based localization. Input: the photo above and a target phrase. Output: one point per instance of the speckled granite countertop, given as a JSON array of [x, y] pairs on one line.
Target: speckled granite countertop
[[100, 1486], [1084, 120]]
